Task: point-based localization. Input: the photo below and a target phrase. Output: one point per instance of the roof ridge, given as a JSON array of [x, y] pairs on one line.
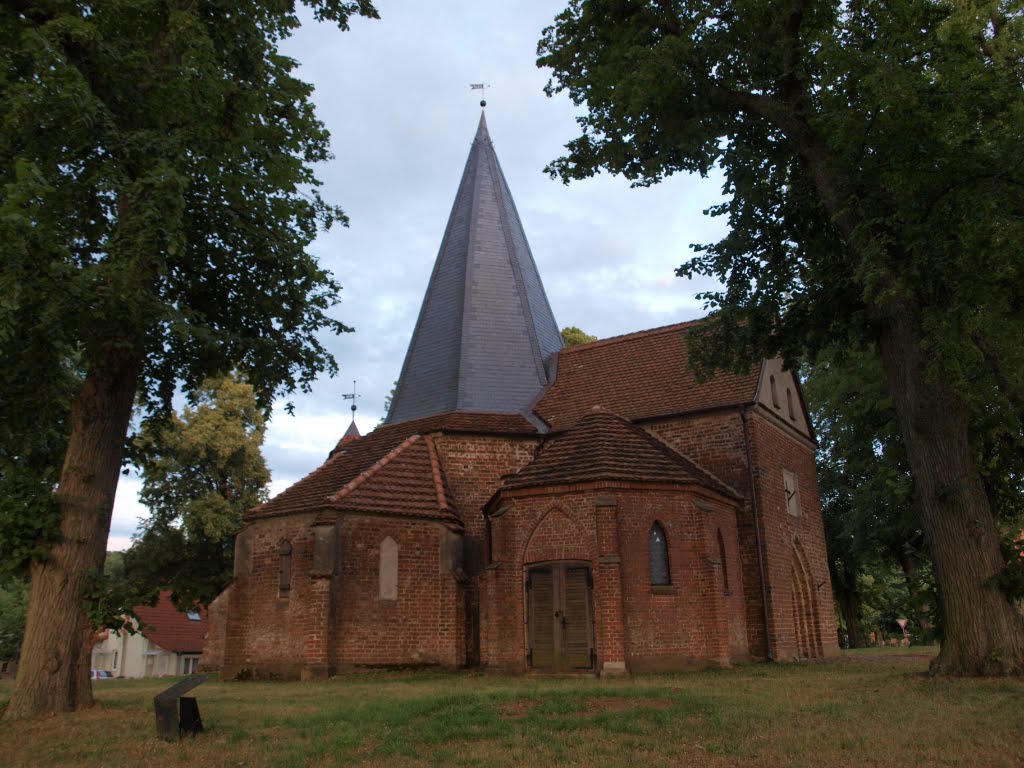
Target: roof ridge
[[366, 474], [677, 455], [435, 469], [335, 455], [633, 335]]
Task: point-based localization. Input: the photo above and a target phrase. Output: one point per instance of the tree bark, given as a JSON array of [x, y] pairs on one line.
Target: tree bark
[[849, 607], [983, 631], [54, 671]]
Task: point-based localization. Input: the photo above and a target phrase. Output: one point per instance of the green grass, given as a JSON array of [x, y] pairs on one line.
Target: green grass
[[868, 709]]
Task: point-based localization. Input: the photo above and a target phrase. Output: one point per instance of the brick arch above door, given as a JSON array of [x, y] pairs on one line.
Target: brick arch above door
[[556, 536]]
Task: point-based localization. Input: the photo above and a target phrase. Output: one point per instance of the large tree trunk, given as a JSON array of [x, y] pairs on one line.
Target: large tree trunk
[[53, 674], [983, 631], [849, 607]]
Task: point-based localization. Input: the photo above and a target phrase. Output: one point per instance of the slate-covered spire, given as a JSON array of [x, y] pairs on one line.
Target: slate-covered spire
[[485, 332]]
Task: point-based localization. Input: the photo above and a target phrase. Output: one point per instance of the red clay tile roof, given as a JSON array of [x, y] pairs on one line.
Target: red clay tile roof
[[172, 630], [639, 376], [407, 481], [348, 460], [603, 446]]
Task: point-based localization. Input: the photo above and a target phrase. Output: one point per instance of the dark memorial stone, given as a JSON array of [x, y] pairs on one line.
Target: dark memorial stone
[[169, 724]]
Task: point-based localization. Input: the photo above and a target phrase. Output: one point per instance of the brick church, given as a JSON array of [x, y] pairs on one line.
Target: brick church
[[529, 507]]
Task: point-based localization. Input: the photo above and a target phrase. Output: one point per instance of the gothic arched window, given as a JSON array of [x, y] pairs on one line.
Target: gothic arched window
[[657, 547]]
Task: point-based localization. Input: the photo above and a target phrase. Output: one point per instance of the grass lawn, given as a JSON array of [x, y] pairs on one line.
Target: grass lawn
[[868, 709]]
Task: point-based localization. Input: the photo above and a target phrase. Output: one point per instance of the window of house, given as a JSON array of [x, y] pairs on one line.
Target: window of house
[[192, 615], [657, 547], [789, 484], [388, 569], [725, 563], [775, 391], [189, 665], [789, 404], [285, 572]]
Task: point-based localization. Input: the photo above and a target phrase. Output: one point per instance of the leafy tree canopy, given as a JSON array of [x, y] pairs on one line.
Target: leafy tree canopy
[[872, 155], [201, 472], [871, 527], [156, 161], [158, 192], [572, 335]]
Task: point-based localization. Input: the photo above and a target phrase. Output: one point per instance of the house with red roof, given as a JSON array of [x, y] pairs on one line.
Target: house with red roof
[[167, 642], [528, 507]]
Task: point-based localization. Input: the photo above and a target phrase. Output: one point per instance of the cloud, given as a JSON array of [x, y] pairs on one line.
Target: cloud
[[395, 96]]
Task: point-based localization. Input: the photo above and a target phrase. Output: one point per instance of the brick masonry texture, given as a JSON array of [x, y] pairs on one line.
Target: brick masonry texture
[[506, 507], [447, 614]]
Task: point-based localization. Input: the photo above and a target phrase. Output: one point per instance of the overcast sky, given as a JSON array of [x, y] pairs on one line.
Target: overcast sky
[[395, 96]]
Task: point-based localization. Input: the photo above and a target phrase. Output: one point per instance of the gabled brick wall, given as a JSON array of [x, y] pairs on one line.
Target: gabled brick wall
[[774, 449], [606, 525], [716, 441], [434, 620]]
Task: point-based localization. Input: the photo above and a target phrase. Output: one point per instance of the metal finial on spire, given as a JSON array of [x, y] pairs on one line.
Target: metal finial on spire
[[480, 87], [352, 397]]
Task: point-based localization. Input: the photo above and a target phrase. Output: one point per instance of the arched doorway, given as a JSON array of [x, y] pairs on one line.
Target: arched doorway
[[560, 617]]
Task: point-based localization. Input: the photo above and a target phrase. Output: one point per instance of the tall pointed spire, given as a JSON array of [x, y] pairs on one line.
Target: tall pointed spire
[[485, 331]]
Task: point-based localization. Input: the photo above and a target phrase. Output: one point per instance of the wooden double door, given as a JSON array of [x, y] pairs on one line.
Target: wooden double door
[[560, 617]]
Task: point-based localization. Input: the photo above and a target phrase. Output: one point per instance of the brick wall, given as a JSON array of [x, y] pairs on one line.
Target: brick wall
[[474, 466], [606, 525], [715, 442], [424, 624], [776, 449], [269, 633]]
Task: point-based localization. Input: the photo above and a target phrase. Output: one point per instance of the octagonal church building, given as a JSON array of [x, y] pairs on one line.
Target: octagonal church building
[[528, 507]]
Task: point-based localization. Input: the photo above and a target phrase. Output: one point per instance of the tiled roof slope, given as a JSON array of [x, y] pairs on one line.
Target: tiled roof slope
[[352, 433], [641, 375], [603, 446], [407, 482], [485, 330], [349, 459], [172, 630]]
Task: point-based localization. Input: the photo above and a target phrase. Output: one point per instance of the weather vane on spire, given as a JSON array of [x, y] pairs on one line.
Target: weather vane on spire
[[480, 87], [352, 397]]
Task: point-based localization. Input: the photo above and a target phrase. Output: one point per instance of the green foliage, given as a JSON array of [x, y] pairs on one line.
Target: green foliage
[[872, 160], [572, 335], [158, 193], [387, 402], [33, 437], [13, 608], [156, 162], [201, 472], [871, 527], [871, 153]]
